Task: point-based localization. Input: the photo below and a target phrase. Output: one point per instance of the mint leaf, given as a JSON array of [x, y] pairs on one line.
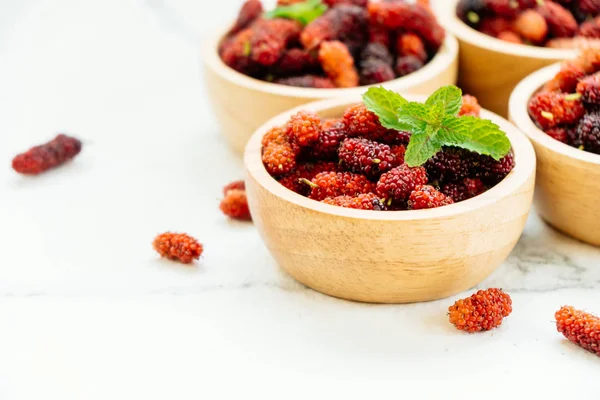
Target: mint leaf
[[304, 12], [479, 135], [422, 146], [384, 103], [447, 98], [415, 117]]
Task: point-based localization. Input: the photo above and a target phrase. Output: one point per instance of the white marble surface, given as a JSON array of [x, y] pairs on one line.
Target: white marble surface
[[87, 311]]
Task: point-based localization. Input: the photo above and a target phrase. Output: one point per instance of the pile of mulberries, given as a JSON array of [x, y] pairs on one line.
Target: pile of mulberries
[[352, 43], [566, 107], [354, 162], [556, 24]]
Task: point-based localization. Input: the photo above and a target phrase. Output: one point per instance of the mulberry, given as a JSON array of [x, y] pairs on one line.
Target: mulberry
[[49, 155], [492, 171], [307, 81], [304, 128], [376, 51], [549, 109], [362, 122], [360, 3], [270, 39], [295, 180], [235, 205], [361, 202], [279, 159], [235, 185], [178, 246], [409, 44], [590, 6], [590, 29], [366, 157], [471, 11], [375, 71], [397, 184], [250, 11], [328, 143], [334, 184], [510, 37], [470, 106], [450, 164], [345, 23], [276, 135], [503, 8], [379, 34], [426, 196], [464, 190], [296, 62], [482, 311], [338, 64], [589, 88], [558, 133], [532, 26], [561, 22], [493, 26], [580, 328], [567, 78], [407, 65], [588, 132]]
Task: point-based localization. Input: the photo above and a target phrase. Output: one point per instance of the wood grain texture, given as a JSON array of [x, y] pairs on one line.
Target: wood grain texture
[[568, 179], [490, 68], [242, 104], [394, 256]]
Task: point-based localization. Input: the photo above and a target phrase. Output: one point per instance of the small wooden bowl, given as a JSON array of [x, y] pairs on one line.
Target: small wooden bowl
[[389, 256], [568, 179], [242, 104], [490, 68]]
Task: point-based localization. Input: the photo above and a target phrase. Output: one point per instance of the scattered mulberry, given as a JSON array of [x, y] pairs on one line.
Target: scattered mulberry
[[304, 128], [178, 246], [49, 155], [426, 196], [250, 11], [296, 62], [270, 39], [580, 328], [366, 157], [235, 205], [567, 78], [532, 26], [361, 122], [549, 109], [561, 22], [589, 88], [409, 44], [334, 184], [482, 311], [470, 106], [279, 159], [397, 184], [307, 81], [361, 202], [374, 71], [235, 185], [590, 29], [588, 132], [464, 190], [338, 64], [345, 23], [450, 164], [407, 65]]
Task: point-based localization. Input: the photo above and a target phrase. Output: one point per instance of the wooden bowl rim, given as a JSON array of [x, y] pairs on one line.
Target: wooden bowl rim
[[446, 12], [520, 116], [522, 148], [446, 55]]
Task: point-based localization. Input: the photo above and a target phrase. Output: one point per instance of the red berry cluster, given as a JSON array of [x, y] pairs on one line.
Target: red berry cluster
[[556, 24], [579, 327], [566, 108], [46, 156], [353, 43], [235, 202], [482, 311], [178, 246], [355, 162]]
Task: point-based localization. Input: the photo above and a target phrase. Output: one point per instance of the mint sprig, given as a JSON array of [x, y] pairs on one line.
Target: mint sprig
[[304, 12], [435, 124]]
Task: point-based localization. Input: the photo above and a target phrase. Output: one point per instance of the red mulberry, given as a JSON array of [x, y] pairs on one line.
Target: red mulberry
[[549, 109], [250, 11], [426, 196], [409, 44], [379, 34], [590, 29], [482, 311], [235, 205], [307, 81], [376, 51], [589, 88], [375, 71], [296, 62], [470, 106], [561, 22], [332, 184], [567, 78], [276, 135], [510, 37], [361, 202], [588, 132], [580, 328], [590, 6], [503, 8], [295, 180], [362, 122], [558, 133], [366, 157], [235, 52], [407, 65], [495, 25], [397, 184], [492, 171], [360, 3], [279, 159], [464, 190], [270, 38], [338, 64], [235, 185], [344, 23], [49, 155], [326, 147], [304, 128], [450, 164], [532, 26], [178, 246]]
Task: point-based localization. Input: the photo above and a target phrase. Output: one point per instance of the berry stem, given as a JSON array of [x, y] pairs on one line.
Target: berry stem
[[309, 183]]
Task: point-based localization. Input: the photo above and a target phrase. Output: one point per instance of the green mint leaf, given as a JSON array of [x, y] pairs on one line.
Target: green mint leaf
[[304, 12], [384, 103], [479, 135], [447, 98], [422, 146], [416, 117]]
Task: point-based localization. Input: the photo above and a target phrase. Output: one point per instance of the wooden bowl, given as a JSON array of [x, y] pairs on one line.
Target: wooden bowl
[[390, 256], [490, 68], [242, 104], [568, 179]]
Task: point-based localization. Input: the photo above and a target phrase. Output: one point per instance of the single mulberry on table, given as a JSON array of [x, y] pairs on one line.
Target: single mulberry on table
[[579, 327], [482, 311], [46, 156], [566, 107], [550, 23], [355, 162], [235, 205], [328, 43], [178, 246]]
